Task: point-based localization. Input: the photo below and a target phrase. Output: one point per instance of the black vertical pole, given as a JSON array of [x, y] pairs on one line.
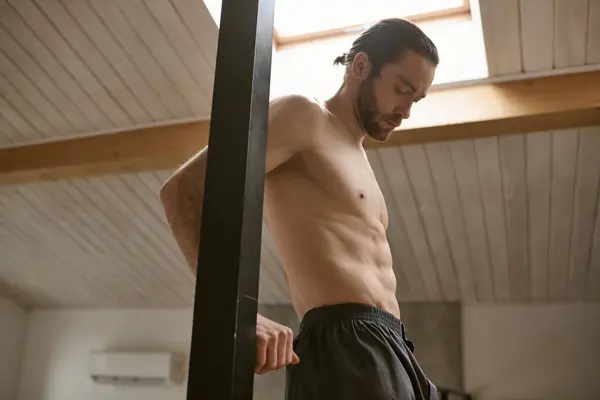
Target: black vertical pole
[[223, 345]]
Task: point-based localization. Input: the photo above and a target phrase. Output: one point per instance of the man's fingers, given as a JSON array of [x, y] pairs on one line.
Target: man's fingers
[[272, 353], [290, 347], [261, 353], [282, 349], [274, 346], [266, 358]]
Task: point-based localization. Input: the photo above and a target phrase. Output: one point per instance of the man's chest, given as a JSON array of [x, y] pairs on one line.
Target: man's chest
[[346, 177]]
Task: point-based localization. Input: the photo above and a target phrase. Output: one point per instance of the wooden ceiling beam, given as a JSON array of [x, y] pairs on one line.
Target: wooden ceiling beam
[[549, 103], [147, 149]]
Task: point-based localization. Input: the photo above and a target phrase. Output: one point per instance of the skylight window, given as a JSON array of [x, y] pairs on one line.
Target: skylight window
[[298, 21], [309, 19], [309, 34]]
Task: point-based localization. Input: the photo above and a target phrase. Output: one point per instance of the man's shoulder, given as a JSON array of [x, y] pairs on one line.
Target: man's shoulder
[[298, 107], [298, 119]]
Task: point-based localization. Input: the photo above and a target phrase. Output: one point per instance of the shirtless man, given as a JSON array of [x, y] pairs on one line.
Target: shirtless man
[[329, 220]]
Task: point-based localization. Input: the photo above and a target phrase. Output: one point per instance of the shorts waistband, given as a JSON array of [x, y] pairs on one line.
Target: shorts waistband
[[347, 312]]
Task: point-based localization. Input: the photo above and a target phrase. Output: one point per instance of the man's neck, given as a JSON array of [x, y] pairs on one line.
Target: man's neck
[[342, 106]]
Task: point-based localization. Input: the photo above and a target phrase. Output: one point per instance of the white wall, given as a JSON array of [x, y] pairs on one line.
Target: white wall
[[59, 342], [13, 329], [545, 352]]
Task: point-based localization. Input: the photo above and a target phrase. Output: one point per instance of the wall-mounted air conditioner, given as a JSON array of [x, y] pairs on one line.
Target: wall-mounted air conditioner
[[135, 367]]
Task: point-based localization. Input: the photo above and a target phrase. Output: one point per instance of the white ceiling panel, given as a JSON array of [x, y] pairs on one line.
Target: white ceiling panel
[[570, 28], [539, 35], [501, 32], [73, 67]]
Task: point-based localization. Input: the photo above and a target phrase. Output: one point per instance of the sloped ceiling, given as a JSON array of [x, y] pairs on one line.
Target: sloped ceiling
[[510, 219]]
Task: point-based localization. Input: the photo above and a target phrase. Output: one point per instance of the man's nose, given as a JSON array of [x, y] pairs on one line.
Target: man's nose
[[404, 111]]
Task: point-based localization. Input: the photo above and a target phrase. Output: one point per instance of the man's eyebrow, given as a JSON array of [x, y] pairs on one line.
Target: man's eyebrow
[[406, 82]]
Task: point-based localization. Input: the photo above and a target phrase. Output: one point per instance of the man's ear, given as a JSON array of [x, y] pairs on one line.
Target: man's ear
[[361, 66]]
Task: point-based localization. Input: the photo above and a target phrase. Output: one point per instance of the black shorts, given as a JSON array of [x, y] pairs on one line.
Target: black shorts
[[352, 352]]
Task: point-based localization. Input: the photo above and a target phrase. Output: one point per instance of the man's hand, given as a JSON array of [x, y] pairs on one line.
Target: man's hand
[[274, 346]]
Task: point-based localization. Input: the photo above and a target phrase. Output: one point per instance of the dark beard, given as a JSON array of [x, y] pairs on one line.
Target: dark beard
[[366, 112]]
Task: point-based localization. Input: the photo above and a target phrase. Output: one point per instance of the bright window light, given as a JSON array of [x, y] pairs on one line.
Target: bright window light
[[302, 17], [311, 33], [308, 68], [306, 17]]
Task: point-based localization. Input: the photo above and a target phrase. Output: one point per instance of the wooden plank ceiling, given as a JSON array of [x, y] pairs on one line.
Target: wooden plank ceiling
[[539, 35], [510, 219], [74, 67]]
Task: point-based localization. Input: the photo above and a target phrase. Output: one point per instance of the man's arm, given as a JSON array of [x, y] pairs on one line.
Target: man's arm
[[182, 197], [291, 122], [291, 125]]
